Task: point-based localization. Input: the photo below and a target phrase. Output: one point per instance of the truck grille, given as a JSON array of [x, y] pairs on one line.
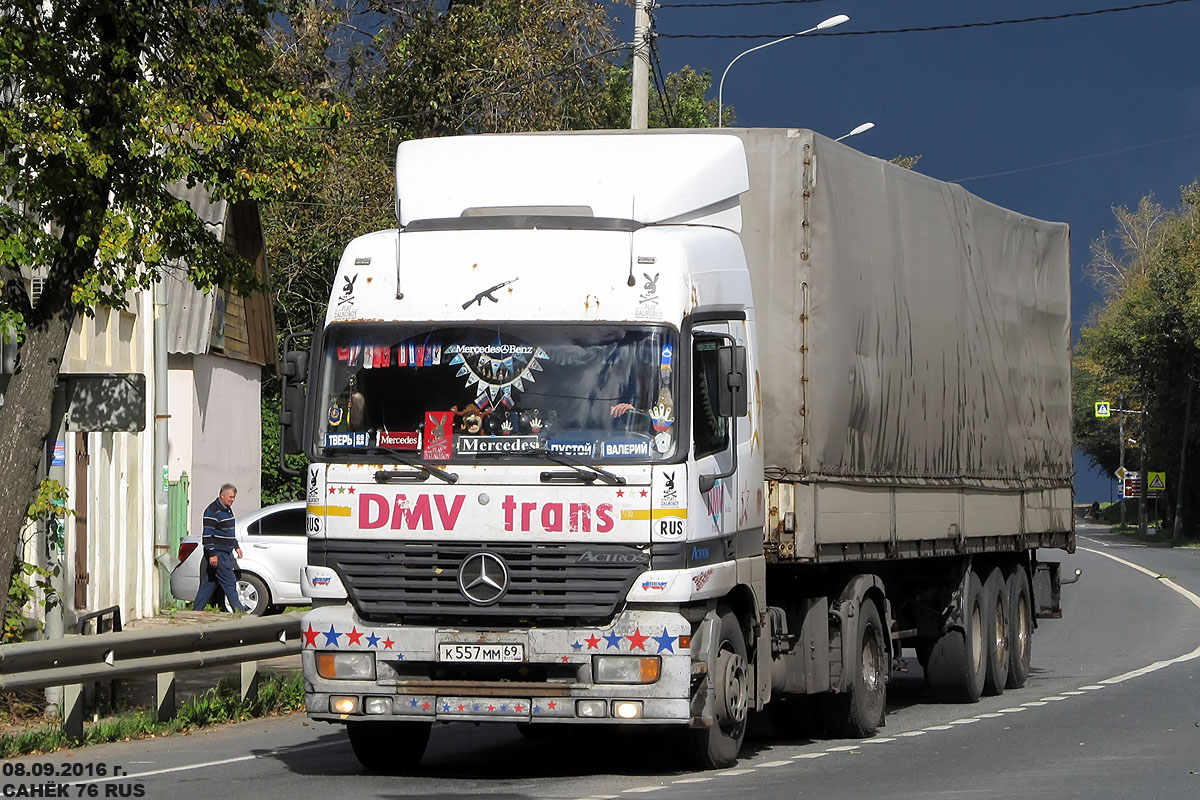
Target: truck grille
[[417, 582]]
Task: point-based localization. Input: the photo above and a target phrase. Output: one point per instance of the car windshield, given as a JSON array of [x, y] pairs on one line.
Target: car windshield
[[473, 392]]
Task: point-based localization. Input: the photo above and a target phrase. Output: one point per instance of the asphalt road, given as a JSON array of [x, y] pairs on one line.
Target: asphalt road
[[1111, 710]]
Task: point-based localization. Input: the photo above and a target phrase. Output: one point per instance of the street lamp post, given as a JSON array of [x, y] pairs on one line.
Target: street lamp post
[[829, 23], [866, 126]]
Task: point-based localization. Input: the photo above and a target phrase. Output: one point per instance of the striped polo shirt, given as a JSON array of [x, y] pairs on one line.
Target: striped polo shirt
[[219, 531]]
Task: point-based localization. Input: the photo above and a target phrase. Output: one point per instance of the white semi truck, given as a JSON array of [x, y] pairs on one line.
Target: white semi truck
[[664, 428]]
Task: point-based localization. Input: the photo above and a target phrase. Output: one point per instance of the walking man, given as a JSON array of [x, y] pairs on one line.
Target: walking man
[[220, 543]]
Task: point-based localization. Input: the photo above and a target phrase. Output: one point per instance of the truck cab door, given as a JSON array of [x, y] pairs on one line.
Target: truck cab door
[[712, 442]]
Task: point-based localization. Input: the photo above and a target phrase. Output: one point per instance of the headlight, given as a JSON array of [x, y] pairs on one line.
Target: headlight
[[626, 669], [346, 666]]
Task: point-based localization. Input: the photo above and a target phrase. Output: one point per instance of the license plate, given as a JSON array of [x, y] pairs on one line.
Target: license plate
[[486, 653]]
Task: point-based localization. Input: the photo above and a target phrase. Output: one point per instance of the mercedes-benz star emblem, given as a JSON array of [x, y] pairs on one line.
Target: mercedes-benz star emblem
[[483, 578]]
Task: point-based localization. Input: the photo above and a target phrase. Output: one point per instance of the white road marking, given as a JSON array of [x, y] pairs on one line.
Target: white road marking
[[774, 764], [966, 721], [1053, 698], [693, 780], [642, 789], [912, 733], [1012, 710], [733, 772], [879, 740], [1170, 584], [134, 775], [987, 715], [1090, 688], [1034, 703], [938, 728], [846, 748], [810, 755]]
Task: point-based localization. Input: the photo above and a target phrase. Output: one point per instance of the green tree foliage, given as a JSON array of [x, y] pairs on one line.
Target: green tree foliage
[[680, 100], [103, 103], [1143, 343]]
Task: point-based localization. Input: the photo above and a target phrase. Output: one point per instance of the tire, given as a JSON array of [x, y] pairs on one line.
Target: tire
[[254, 594], [997, 632], [729, 675], [858, 712], [957, 662], [1020, 620], [388, 746], [795, 717]]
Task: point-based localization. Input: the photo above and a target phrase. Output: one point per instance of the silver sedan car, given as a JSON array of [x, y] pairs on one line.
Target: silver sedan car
[[274, 551]]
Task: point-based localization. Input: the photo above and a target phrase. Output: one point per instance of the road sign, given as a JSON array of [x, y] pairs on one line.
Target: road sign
[[1131, 487], [1158, 481], [1103, 408], [1121, 473]]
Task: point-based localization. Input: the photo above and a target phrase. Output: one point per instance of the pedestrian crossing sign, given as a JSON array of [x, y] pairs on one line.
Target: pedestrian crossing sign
[[1103, 408], [1158, 481]]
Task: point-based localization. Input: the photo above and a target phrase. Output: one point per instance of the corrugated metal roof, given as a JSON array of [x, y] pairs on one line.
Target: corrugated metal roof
[[190, 311]]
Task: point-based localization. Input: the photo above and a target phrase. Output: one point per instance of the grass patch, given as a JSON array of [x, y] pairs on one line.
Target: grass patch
[[277, 693]]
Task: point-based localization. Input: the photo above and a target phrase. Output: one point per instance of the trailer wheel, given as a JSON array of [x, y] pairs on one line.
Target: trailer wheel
[[997, 630], [388, 747], [958, 663], [728, 671], [1020, 620], [858, 712]]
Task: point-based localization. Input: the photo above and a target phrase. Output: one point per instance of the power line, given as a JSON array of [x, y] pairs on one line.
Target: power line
[[961, 26], [1077, 158], [735, 5]]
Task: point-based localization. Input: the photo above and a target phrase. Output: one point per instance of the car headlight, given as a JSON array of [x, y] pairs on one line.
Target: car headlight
[[346, 666], [626, 669]]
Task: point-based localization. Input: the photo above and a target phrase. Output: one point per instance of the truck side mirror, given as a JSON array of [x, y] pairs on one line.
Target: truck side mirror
[[291, 420], [731, 394], [291, 412], [295, 365]]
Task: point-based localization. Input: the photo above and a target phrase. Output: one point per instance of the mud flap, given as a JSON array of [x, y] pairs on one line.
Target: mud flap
[[703, 698], [1047, 590]]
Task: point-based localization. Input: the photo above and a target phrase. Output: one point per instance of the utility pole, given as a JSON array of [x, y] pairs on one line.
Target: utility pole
[[1144, 480], [639, 112], [1121, 432], [1177, 532]]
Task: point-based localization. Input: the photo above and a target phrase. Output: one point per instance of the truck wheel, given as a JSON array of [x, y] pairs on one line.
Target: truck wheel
[[388, 746], [997, 629], [1020, 620], [728, 671], [858, 712], [957, 663]]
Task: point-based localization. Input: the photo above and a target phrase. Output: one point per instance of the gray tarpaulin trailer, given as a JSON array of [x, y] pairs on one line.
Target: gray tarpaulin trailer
[[914, 364], [914, 357]]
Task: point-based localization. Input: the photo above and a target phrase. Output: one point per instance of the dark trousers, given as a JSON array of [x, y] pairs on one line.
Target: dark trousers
[[220, 575]]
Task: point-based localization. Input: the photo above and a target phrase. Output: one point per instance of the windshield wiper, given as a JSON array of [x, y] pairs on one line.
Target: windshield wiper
[[588, 472], [383, 476]]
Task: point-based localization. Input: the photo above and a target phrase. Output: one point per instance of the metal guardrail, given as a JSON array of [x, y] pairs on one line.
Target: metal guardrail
[[73, 661]]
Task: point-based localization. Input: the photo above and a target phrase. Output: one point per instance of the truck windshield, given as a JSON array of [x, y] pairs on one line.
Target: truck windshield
[[469, 393]]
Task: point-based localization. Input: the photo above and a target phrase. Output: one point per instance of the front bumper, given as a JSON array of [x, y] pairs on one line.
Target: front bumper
[[554, 682]]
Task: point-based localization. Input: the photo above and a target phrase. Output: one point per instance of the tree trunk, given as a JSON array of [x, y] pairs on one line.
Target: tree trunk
[[25, 415]]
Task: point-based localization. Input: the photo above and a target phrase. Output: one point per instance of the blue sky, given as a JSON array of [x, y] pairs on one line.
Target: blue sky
[[1110, 104]]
